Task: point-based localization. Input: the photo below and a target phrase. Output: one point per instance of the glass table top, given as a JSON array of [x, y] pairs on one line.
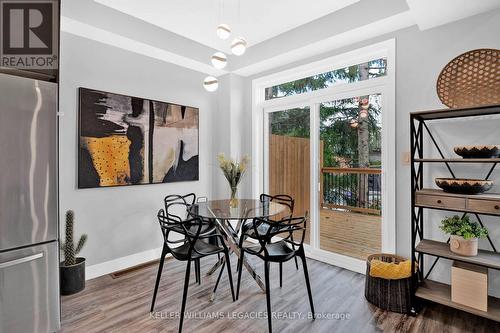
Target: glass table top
[[246, 209]]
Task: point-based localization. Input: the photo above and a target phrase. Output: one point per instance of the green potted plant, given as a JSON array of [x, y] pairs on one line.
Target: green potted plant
[[72, 269], [464, 234]]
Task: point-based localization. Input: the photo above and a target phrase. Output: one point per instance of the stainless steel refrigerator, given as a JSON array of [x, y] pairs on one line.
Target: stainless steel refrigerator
[[29, 270]]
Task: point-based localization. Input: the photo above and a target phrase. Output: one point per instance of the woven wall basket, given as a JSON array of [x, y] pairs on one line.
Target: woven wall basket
[[471, 79]]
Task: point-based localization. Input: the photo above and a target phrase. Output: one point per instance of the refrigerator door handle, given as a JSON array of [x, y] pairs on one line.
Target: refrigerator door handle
[[21, 260]]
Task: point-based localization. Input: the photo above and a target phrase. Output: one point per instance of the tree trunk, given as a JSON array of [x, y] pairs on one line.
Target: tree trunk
[[363, 144]]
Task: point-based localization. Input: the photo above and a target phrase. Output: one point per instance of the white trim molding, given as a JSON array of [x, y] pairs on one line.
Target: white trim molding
[[385, 85], [372, 30], [122, 263], [84, 30]]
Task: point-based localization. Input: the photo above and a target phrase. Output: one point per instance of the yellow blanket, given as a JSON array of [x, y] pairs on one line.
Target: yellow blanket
[[390, 271]]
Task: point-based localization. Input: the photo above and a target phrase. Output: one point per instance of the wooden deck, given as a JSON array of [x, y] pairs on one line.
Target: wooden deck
[[349, 233]]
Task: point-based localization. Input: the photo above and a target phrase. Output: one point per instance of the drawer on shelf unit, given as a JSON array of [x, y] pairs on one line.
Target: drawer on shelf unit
[[484, 206], [440, 201]]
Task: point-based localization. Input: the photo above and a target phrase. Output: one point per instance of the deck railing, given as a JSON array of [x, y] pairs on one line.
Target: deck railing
[[355, 189]]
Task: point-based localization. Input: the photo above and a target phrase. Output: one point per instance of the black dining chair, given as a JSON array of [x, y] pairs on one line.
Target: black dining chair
[[187, 200], [283, 199], [280, 251], [190, 247]]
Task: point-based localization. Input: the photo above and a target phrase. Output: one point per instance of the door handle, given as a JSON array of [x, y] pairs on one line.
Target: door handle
[[21, 260]]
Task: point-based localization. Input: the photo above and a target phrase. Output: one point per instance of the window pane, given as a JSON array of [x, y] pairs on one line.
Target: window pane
[[289, 157], [360, 72], [350, 176]]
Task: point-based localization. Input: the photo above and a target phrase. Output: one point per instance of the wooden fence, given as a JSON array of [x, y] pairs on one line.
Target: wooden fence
[[289, 169], [289, 173]]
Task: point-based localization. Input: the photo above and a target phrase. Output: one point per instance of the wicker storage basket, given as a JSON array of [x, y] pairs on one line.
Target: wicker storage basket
[[392, 295]]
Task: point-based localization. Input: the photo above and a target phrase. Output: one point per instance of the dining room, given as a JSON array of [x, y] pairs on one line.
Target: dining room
[[249, 166]]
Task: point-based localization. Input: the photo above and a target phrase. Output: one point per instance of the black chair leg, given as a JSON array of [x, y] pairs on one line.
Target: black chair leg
[[158, 276], [184, 294], [281, 274], [268, 297], [220, 275], [296, 263], [198, 269], [195, 272], [240, 268], [230, 276], [306, 275]]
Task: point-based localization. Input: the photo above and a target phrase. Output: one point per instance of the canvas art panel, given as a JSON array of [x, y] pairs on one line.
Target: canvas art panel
[[127, 140]]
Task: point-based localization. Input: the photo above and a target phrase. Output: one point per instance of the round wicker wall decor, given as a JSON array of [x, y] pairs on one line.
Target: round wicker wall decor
[[471, 79]]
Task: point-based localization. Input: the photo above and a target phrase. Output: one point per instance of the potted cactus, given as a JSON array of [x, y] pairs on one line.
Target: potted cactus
[[72, 269]]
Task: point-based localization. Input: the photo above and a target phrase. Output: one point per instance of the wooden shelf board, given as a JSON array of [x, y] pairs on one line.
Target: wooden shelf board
[[458, 160], [484, 258], [441, 293], [457, 113], [485, 196]]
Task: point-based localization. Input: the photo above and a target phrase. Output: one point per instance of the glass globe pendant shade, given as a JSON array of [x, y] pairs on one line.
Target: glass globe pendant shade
[[223, 31], [210, 84], [363, 113], [239, 46], [219, 60]]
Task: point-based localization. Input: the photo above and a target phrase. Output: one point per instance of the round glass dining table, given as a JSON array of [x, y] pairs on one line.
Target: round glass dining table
[[245, 209]]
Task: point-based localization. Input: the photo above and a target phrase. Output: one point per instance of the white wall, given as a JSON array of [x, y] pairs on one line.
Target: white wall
[[121, 221], [420, 56]]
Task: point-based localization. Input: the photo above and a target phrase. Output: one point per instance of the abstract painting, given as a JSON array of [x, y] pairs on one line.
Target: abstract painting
[[128, 140]]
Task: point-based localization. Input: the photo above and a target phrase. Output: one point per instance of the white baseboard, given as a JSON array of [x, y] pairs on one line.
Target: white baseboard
[[122, 263], [336, 259]]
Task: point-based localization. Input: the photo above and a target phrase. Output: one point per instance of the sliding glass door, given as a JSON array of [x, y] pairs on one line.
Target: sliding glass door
[[350, 175], [324, 133], [327, 155], [288, 156]]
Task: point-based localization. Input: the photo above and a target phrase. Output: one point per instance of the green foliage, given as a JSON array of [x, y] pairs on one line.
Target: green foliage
[[455, 225], [339, 138], [68, 246]]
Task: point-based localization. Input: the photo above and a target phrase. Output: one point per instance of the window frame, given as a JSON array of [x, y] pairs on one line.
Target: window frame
[[384, 85]]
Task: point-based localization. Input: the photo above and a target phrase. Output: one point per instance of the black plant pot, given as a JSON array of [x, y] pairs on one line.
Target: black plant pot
[[72, 277]]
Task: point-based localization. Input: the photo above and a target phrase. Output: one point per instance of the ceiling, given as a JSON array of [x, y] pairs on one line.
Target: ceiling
[[431, 13], [256, 20]]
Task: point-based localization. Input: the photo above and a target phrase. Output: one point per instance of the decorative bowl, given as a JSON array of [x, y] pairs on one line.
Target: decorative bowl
[[485, 151], [464, 186]]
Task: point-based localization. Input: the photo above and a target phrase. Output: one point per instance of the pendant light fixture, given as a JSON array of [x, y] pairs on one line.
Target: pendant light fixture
[[239, 46], [223, 31], [354, 123], [211, 84], [219, 60]]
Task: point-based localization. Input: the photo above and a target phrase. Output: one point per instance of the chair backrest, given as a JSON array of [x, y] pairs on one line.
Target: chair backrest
[[188, 228], [291, 230], [283, 199], [176, 206]]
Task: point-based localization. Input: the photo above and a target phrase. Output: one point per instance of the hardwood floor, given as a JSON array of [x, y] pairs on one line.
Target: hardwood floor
[[122, 304]]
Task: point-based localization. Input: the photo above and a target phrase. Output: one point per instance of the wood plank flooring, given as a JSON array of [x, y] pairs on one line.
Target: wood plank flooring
[[349, 233], [122, 304]]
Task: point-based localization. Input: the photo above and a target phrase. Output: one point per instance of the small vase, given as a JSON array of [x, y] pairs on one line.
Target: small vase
[[233, 203]]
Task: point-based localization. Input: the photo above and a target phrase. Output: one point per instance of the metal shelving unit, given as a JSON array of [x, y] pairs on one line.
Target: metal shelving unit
[[421, 198]]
